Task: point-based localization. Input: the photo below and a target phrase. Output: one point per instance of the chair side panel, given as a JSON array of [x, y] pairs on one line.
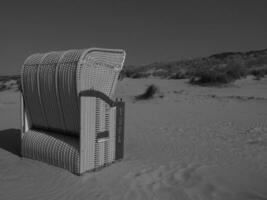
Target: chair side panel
[[101, 125], [112, 134], [87, 133]]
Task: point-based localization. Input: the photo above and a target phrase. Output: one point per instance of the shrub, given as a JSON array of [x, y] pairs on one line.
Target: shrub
[[132, 73], [160, 73], [140, 75], [235, 71], [259, 72], [209, 76], [148, 94], [218, 74], [126, 73], [2, 88], [178, 75]]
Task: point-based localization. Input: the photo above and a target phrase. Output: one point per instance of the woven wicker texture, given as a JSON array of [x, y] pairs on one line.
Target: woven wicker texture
[[30, 84], [55, 149], [112, 135], [48, 91], [66, 79], [103, 69], [51, 83]]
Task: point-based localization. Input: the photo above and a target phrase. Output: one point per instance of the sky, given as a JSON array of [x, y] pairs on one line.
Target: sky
[[149, 31]]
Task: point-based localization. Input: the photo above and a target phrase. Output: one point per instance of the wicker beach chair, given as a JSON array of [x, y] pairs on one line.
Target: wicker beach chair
[[68, 117]]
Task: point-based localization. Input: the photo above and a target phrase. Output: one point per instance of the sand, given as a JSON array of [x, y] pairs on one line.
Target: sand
[[194, 143]]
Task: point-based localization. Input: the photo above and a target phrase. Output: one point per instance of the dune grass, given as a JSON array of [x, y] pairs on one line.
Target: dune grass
[[259, 72], [148, 94], [218, 74]]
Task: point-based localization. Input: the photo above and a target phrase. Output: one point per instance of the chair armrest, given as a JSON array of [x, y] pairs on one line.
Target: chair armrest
[[97, 94]]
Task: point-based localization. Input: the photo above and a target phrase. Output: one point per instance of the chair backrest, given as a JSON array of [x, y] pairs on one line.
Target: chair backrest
[[51, 83]]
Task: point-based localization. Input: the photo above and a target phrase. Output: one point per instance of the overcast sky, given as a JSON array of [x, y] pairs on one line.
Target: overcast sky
[[149, 31]]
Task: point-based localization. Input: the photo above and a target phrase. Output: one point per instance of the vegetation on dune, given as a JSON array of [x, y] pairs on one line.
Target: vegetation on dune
[[258, 72], [218, 74], [8, 82], [215, 69], [9, 77]]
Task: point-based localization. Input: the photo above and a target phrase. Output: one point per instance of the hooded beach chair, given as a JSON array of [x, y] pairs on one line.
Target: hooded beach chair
[[68, 117]]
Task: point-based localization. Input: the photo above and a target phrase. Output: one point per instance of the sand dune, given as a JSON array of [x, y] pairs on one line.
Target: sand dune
[[194, 143]]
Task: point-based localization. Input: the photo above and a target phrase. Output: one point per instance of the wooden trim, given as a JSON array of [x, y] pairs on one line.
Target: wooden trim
[[120, 112]]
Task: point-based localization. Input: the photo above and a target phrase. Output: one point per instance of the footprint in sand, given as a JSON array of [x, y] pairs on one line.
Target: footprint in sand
[[163, 183], [183, 183]]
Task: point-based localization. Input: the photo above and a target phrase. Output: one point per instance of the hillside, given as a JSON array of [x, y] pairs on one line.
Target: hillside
[[251, 62]]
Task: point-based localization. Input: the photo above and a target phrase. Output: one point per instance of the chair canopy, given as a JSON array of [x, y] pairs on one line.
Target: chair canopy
[[51, 83]]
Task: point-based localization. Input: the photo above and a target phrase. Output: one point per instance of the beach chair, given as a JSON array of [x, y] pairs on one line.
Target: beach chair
[[68, 117]]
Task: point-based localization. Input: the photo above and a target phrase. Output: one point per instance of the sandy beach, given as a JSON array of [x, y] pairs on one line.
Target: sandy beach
[[189, 142]]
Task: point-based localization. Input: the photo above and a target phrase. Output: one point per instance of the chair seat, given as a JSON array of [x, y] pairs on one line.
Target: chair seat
[[55, 149]]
